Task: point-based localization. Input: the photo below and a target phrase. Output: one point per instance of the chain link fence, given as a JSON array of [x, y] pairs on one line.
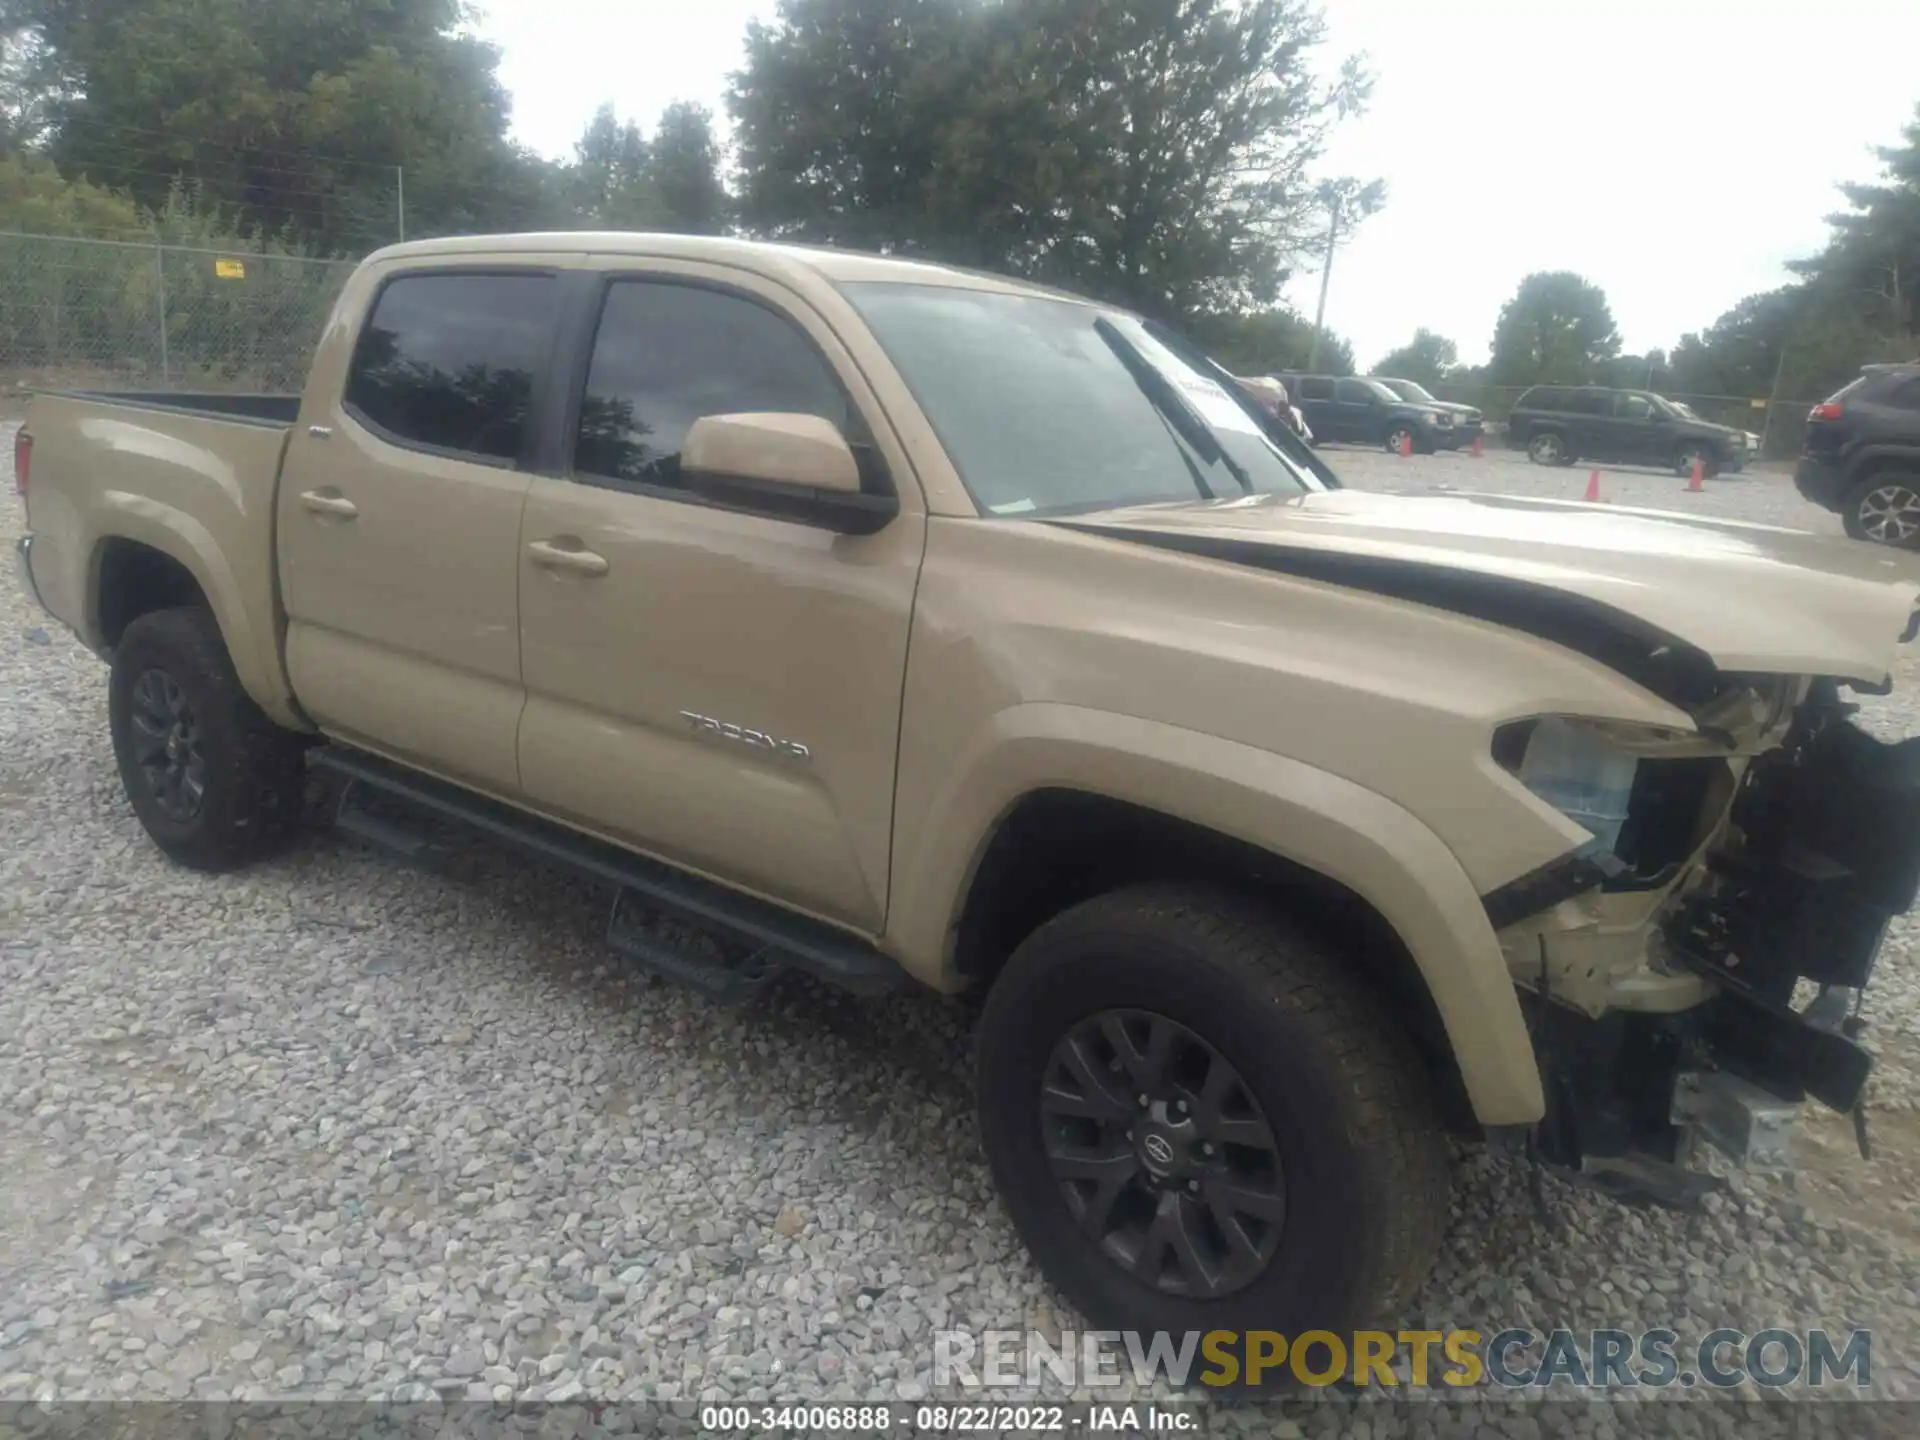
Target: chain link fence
[[130, 315]]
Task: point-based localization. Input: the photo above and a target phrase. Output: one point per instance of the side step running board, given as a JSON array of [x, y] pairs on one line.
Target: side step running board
[[772, 937]]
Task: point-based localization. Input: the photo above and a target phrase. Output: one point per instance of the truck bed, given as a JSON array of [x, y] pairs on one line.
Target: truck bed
[[266, 409], [135, 479]]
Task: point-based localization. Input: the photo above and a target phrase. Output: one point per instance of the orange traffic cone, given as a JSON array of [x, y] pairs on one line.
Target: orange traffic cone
[[1479, 446], [1593, 487], [1699, 474], [1406, 445]]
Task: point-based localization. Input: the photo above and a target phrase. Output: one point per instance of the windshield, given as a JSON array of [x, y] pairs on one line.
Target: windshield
[[1408, 390], [1049, 406], [1685, 410]]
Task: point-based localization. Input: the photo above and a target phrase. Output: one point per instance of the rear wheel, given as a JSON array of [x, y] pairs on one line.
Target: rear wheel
[[1885, 508], [1199, 1120], [1547, 448], [214, 782]]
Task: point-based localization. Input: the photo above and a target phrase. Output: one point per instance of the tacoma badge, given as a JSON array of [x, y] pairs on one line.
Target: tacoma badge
[[706, 725]]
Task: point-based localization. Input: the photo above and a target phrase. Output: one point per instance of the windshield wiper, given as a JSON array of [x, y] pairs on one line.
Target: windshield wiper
[[1174, 407]]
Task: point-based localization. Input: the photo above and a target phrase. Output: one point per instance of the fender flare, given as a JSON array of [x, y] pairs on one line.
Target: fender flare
[[1351, 835], [122, 515]]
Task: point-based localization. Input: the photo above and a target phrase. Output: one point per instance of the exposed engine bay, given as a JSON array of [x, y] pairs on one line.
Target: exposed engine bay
[[1696, 973]]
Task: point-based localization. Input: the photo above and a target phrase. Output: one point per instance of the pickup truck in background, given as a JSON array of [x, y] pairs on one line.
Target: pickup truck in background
[[906, 626]]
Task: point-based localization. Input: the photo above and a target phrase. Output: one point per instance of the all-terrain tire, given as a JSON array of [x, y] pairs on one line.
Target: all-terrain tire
[[245, 797], [1362, 1152]]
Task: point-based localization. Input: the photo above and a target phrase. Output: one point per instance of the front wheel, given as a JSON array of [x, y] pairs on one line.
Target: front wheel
[[1690, 455], [1401, 440], [214, 782], [1885, 509], [1198, 1119]]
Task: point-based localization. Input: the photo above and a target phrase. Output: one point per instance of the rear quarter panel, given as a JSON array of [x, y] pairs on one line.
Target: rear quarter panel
[[195, 486]]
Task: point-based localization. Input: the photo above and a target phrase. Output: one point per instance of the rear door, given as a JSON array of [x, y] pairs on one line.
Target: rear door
[[398, 521], [1361, 410], [1313, 394], [717, 688], [1589, 423]]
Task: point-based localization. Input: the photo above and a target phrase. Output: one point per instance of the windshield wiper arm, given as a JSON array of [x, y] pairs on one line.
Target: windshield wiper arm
[[1177, 410]]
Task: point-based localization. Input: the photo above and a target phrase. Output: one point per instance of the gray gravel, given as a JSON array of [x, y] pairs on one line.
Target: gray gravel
[[334, 1127]]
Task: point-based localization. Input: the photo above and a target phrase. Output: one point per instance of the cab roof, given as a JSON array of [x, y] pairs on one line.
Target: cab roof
[[789, 261]]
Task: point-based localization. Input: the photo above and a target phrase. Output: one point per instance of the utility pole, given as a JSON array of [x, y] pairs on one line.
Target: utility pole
[[400, 196], [1773, 402], [1326, 274]]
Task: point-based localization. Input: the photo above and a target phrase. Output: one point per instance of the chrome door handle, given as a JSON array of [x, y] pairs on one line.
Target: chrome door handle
[[320, 432], [554, 557], [324, 504]]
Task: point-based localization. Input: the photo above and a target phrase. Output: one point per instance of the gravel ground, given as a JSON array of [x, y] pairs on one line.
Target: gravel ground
[[338, 1128]]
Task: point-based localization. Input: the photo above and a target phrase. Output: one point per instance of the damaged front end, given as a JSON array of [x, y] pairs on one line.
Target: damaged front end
[[1694, 974]]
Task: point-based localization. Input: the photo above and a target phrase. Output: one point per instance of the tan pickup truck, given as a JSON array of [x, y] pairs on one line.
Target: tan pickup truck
[[899, 624]]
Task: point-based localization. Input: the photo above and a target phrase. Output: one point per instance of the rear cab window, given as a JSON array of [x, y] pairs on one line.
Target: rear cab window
[[450, 362], [1315, 388]]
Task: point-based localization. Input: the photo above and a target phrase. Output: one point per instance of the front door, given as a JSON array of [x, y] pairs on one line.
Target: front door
[[716, 688], [399, 519], [1639, 436]]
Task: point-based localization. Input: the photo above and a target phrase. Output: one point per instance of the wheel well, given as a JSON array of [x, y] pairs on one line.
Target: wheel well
[[1876, 466], [135, 580], [1056, 848]]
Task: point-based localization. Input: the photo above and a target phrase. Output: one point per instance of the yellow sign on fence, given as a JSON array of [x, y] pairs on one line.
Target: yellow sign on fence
[[230, 269]]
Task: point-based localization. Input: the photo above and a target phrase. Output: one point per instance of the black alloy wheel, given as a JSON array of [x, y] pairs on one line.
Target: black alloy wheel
[[166, 745], [1162, 1153]]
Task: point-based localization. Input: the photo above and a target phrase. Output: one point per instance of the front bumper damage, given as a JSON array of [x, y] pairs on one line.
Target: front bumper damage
[[1748, 1002]]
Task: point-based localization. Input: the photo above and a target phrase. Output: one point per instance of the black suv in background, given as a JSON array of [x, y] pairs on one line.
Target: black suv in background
[[1343, 407], [1468, 423], [1558, 424], [1862, 455]]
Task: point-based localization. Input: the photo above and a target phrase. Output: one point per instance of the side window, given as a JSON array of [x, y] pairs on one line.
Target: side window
[[1543, 397], [1904, 395], [1353, 392], [1635, 407], [1312, 388], [448, 361], [1589, 402], [666, 355]]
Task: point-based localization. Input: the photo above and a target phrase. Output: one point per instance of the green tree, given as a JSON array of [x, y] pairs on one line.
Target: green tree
[[302, 116], [1557, 328], [1156, 154], [1265, 342], [683, 165], [35, 199], [1428, 359], [1873, 260], [608, 183]]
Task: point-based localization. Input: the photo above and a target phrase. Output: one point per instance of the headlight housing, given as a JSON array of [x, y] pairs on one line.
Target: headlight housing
[[1583, 773]]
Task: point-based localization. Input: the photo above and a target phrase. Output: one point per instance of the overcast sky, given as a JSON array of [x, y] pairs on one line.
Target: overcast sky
[[1676, 152]]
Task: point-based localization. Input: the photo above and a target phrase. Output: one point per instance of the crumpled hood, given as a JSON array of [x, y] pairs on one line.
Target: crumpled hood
[[1752, 598]]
